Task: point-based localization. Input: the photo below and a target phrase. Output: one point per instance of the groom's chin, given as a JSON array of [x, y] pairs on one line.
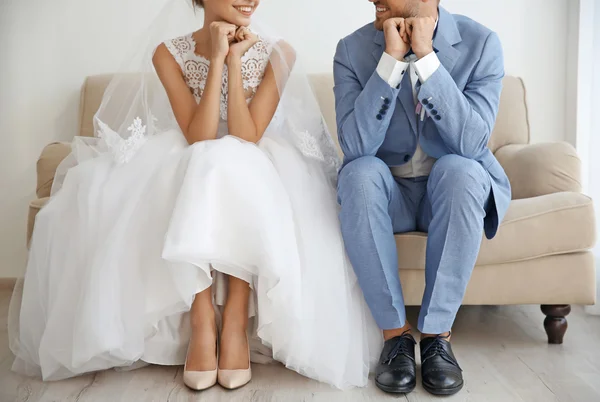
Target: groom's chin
[[378, 24]]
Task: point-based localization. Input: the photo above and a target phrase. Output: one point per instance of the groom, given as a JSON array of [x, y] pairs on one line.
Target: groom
[[417, 94]]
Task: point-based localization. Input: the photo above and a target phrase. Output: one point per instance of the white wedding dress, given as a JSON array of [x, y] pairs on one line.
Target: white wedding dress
[[119, 252]]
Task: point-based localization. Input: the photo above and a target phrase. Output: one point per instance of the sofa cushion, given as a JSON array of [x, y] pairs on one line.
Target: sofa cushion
[[534, 227], [540, 169], [512, 123]]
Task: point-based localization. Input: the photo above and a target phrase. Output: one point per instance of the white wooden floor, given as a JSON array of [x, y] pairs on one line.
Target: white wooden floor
[[502, 350]]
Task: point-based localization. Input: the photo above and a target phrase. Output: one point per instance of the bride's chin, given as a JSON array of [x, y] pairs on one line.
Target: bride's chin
[[238, 22], [236, 18]]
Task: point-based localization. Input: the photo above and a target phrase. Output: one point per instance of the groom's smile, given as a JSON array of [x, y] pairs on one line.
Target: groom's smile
[[382, 12], [385, 9]]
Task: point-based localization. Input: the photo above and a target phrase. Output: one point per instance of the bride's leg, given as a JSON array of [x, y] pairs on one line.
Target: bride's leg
[[202, 355], [233, 354]]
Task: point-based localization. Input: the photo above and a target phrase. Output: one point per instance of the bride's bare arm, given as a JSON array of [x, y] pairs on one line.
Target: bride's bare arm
[[198, 122], [249, 122]]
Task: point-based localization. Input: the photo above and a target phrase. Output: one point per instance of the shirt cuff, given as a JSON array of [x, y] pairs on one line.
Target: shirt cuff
[[426, 66], [391, 70]]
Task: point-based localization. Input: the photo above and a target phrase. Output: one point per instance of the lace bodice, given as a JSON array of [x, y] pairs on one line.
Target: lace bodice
[[195, 68]]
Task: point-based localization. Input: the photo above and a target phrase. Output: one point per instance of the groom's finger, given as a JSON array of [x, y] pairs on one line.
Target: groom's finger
[[409, 22], [395, 22], [403, 32]]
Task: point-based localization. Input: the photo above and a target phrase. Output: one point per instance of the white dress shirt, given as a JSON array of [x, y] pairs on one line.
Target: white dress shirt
[[392, 71]]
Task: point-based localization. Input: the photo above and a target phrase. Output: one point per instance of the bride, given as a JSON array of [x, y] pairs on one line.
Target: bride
[[200, 226]]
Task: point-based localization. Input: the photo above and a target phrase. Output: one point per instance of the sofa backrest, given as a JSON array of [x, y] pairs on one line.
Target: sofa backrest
[[512, 125]]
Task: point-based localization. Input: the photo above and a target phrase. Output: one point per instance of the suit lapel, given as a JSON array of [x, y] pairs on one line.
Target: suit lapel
[[446, 36], [447, 54], [379, 47]]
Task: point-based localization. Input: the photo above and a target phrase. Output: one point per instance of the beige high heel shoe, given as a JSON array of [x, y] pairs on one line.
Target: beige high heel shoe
[[233, 379], [200, 380]]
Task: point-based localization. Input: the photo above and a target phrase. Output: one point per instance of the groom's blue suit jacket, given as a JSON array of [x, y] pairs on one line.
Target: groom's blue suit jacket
[[461, 100]]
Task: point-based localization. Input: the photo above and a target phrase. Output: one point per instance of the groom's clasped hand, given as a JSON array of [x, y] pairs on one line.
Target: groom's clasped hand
[[402, 34]]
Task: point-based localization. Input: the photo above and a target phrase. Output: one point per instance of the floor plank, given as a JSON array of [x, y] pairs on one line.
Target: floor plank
[[502, 350]]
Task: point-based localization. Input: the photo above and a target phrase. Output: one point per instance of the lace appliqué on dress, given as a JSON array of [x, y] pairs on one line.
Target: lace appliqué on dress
[[123, 149], [317, 144], [310, 146]]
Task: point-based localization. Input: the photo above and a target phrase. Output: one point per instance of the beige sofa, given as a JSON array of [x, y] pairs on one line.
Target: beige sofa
[[541, 254]]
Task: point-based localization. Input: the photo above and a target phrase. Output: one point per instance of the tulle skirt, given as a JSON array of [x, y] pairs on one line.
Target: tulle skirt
[[118, 254]]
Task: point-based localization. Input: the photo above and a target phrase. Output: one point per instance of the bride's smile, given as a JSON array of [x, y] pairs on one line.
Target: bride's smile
[[246, 10]]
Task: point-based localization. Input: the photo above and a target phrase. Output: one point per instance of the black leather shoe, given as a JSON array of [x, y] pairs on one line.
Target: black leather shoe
[[440, 372], [397, 369]]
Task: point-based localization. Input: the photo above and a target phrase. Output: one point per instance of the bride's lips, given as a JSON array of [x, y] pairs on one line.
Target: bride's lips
[[246, 11]]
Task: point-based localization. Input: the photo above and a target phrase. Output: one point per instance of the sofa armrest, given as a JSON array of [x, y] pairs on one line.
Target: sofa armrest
[[540, 169], [52, 155]]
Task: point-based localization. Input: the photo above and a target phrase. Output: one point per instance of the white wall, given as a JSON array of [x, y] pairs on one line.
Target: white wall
[[573, 68], [48, 47], [584, 99], [592, 170]]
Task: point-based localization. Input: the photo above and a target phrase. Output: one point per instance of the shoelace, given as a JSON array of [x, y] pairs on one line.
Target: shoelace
[[436, 347], [400, 348]]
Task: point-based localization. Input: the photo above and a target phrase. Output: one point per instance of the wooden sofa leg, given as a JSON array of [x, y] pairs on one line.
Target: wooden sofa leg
[[555, 322]]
